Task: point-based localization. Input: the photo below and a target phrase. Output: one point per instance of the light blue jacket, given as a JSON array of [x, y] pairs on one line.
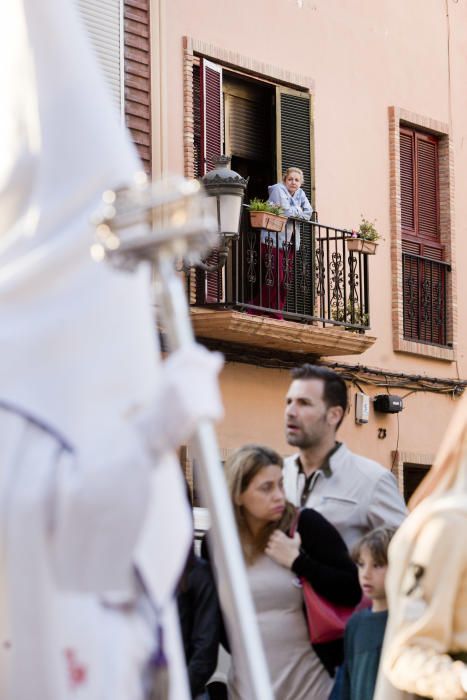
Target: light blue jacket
[[296, 204]]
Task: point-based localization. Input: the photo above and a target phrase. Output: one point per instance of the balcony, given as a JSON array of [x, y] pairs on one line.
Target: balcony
[[300, 291]]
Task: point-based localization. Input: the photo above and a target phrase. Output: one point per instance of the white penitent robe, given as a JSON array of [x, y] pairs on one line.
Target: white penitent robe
[[84, 494], [69, 532]]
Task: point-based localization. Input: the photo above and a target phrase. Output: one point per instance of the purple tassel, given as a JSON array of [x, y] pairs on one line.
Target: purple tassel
[[156, 675]]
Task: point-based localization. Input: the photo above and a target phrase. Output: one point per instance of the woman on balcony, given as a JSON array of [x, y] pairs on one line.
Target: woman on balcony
[[289, 195], [274, 560], [276, 250]]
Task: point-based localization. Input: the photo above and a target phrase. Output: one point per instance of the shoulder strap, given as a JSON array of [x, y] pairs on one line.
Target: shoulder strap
[[293, 526]]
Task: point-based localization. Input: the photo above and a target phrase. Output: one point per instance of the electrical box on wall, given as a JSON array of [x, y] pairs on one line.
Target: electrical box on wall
[[388, 403], [362, 407]]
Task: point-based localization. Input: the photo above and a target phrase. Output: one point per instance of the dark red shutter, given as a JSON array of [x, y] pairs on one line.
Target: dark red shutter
[[208, 146], [138, 77], [427, 186], [411, 289], [424, 284], [197, 169], [419, 185], [211, 114], [407, 161]]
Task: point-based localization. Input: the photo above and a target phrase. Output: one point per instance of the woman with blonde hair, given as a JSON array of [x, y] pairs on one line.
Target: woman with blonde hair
[[274, 561], [289, 195], [425, 648]]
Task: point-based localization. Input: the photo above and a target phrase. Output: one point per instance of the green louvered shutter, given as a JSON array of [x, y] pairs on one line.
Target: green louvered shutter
[[294, 148], [293, 114]]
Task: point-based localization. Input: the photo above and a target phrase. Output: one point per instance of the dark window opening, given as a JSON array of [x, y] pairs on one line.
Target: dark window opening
[[249, 131], [413, 475]]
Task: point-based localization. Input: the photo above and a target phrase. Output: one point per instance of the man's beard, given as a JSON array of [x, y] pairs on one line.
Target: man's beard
[[302, 440]]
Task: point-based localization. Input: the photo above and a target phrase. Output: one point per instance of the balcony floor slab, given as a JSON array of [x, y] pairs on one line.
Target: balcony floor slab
[[264, 332]]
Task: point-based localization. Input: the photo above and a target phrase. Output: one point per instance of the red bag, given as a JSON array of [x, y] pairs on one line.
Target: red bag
[[326, 621]]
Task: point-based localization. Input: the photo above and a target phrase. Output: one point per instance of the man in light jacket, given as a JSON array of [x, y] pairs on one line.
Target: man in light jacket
[[354, 493]]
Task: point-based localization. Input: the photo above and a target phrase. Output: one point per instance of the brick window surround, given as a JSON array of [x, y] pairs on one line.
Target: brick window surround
[[402, 457], [237, 62], [397, 118]]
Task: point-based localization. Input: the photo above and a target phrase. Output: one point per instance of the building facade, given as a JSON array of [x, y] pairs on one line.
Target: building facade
[[368, 99]]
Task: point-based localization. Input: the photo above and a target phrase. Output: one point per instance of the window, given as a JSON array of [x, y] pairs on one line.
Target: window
[[125, 53], [412, 476], [265, 128], [424, 267], [421, 186]]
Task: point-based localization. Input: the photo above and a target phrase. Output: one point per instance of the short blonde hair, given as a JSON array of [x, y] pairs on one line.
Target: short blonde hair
[[293, 169]]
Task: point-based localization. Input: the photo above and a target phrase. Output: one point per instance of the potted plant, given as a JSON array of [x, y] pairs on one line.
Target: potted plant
[[365, 239], [266, 216], [353, 313]]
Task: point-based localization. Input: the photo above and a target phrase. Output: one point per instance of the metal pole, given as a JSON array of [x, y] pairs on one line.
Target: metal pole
[[179, 228], [234, 590]]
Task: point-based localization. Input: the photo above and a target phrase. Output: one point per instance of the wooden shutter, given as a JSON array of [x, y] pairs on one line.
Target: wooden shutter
[[293, 118], [294, 128], [424, 283], [208, 140], [411, 289], [138, 76], [197, 167], [102, 19], [407, 161], [247, 120], [419, 185], [211, 114], [247, 128], [427, 186]]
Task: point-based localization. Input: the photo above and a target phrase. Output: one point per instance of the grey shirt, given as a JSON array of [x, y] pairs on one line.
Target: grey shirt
[[354, 493]]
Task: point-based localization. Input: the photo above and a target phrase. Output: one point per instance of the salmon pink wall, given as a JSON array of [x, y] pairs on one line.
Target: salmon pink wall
[[363, 56]]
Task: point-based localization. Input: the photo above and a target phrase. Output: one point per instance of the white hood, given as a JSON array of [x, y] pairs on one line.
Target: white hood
[[77, 337]]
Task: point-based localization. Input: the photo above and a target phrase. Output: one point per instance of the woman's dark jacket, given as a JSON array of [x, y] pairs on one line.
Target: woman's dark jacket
[[200, 623], [325, 562]]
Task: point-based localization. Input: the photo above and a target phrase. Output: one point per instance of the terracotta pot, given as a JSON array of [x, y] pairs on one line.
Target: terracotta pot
[[360, 245], [268, 221]]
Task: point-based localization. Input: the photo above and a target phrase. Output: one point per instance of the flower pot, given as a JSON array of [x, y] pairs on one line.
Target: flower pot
[[268, 221], [360, 245]]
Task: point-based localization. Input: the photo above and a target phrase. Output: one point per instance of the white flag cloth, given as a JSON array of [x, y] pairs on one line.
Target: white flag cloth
[[80, 488]]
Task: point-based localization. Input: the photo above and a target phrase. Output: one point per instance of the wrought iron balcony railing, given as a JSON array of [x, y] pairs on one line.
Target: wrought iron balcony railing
[[424, 297], [305, 274]]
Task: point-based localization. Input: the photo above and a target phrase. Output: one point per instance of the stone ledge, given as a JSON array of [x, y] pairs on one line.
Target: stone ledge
[[438, 352], [261, 331]]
